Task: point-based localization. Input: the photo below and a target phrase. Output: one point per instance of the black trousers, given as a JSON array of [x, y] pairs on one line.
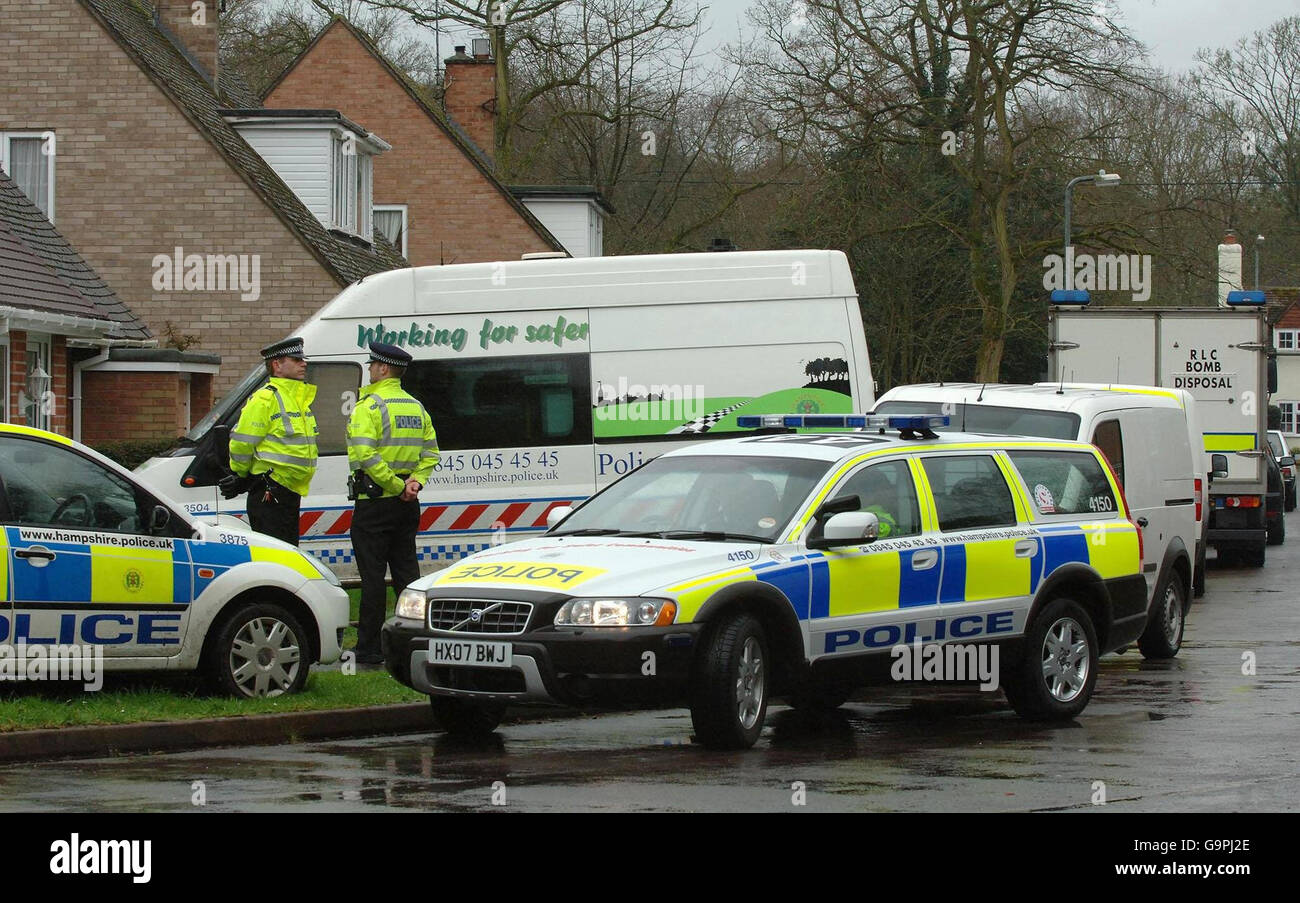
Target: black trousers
[[383, 538], [279, 516]]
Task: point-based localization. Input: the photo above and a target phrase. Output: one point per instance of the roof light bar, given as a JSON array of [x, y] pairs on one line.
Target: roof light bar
[[842, 421]]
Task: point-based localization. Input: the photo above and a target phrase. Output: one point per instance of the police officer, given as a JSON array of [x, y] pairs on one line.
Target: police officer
[[392, 449], [273, 447]]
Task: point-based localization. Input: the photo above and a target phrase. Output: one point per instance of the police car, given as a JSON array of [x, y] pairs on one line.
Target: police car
[[93, 560], [790, 563]]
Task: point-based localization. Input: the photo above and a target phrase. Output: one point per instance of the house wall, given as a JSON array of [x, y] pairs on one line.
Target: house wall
[[454, 213], [134, 179], [19, 402]]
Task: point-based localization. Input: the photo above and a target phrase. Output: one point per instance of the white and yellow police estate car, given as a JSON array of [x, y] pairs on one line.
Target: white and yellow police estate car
[[790, 563], [91, 560]]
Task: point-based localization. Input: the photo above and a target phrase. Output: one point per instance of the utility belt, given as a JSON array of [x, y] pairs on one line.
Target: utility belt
[[362, 484], [266, 486]]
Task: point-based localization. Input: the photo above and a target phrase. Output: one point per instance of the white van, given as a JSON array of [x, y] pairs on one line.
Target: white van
[[1152, 439], [547, 379]]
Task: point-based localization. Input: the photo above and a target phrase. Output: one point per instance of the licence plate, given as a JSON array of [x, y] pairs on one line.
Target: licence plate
[[470, 653]]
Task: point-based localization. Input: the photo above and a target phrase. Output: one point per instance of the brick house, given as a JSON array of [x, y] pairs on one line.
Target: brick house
[[435, 192], [143, 169], [55, 308]]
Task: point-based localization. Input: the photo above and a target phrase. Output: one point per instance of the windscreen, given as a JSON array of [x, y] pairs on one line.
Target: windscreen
[[997, 420], [725, 497]]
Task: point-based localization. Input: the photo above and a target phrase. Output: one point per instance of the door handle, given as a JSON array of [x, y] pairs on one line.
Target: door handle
[[924, 559], [1027, 548], [35, 552]]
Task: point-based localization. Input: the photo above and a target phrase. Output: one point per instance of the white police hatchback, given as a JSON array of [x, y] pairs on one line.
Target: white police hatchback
[[94, 564], [790, 563]]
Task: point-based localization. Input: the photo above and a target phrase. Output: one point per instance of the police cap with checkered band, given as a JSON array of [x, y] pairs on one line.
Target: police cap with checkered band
[[389, 354]]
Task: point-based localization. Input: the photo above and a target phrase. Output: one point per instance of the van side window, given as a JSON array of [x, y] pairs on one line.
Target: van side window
[[1108, 437], [337, 388], [505, 402], [887, 491], [969, 492], [1065, 482]]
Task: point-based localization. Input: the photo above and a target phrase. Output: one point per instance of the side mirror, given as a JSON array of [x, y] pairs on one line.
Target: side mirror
[[838, 505], [556, 516], [211, 458], [1286, 461], [159, 519], [1218, 466], [848, 528]]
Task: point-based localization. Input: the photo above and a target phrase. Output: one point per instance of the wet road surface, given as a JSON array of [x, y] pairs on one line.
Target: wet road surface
[[1192, 734]]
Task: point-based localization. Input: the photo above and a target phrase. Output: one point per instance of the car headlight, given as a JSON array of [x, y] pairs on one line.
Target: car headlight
[[325, 572], [413, 604], [616, 613]]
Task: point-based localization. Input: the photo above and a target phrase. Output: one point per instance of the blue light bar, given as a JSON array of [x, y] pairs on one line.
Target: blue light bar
[[1076, 296], [802, 421], [1245, 299], [914, 421]]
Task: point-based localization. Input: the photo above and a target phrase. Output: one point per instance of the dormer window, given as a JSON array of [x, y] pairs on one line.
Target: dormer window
[[325, 158]]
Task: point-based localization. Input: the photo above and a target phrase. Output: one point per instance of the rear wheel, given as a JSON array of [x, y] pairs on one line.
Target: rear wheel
[[1054, 679], [1277, 532], [729, 687], [466, 717], [1163, 636], [1254, 558], [1198, 582]]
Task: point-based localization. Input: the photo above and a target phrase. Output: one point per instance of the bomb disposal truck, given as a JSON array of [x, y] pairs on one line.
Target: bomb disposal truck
[[1220, 356]]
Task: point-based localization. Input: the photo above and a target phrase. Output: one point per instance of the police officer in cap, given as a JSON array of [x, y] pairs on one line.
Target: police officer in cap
[[273, 447], [392, 449]]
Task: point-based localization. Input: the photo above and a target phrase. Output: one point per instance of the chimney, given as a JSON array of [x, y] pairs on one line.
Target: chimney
[[191, 25], [469, 94], [1229, 267]]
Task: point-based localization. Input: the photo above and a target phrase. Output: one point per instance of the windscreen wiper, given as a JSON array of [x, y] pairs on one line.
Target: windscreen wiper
[[709, 536], [590, 531]]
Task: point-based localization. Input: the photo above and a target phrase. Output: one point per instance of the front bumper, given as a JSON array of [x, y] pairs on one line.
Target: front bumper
[[329, 604], [570, 666]]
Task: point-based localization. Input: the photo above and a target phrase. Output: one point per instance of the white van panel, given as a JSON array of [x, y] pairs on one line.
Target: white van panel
[[1109, 351]]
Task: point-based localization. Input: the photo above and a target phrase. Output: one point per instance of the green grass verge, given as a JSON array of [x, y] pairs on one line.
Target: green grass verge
[[132, 698]]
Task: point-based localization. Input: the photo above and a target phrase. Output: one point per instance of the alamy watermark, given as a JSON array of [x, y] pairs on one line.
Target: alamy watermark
[[67, 662], [179, 271], [946, 662], [1099, 272], [634, 401]]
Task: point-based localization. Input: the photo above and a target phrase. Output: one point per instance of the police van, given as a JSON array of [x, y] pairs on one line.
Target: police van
[[790, 563], [547, 379], [1152, 439], [92, 561]]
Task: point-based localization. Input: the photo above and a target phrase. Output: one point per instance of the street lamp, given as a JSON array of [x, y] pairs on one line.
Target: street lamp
[[1100, 179], [1259, 240]]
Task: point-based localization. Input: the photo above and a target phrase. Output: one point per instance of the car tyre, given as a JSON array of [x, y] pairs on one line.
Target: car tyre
[[1277, 532], [259, 650], [1290, 498], [1198, 582], [1163, 636], [1054, 679], [465, 717], [730, 683], [1253, 558]]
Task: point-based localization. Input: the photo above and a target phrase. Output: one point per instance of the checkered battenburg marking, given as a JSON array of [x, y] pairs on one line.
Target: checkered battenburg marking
[[707, 422]]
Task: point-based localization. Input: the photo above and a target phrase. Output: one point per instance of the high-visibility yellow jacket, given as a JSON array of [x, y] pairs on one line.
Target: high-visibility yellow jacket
[[390, 433], [277, 433]]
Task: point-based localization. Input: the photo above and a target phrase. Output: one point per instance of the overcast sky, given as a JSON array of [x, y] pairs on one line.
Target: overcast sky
[[1171, 29]]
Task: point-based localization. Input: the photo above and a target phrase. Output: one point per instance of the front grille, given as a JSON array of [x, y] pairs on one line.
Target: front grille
[[492, 617]]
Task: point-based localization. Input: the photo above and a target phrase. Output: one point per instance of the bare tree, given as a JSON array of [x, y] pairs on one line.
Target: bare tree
[[949, 78]]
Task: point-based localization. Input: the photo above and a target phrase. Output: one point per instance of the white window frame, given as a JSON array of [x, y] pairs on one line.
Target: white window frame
[[395, 208], [6, 153], [343, 181], [1290, 336], [365, 197], [1290, 412]]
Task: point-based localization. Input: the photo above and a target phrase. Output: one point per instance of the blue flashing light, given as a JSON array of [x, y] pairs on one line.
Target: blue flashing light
[[1077, 297], [802, 421], [1246, 299], [916, 421]]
